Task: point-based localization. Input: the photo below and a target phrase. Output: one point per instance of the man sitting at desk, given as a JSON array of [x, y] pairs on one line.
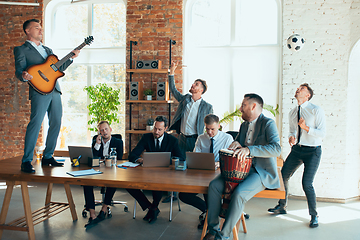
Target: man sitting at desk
[[101, 147], [258, 138], [211, 141], [158, 141]]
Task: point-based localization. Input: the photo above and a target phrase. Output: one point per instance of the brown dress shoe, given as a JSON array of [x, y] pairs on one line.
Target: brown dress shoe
[[209, 236]]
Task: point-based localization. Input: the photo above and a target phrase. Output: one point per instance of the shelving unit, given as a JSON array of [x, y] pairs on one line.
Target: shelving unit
[[132, 71]]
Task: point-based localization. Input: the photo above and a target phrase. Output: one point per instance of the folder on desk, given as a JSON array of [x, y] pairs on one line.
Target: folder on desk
[[84, 172]]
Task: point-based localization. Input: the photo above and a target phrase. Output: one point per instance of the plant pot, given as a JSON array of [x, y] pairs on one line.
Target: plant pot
[[148, 97], [149, 128]]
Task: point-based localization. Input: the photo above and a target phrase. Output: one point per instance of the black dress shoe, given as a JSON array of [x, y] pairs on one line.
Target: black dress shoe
[[277, 210], [148, 215], [27, 167], [92, 222], [51, 161], [314, 221], [101, 216], [154, 214], [201, 224]]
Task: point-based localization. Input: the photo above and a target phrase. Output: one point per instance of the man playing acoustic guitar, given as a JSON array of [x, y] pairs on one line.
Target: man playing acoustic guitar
[[32, 52]]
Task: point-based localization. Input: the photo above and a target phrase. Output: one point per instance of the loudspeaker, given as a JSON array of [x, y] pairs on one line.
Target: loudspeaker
[[148, 64], [162, 91], [136, 91]]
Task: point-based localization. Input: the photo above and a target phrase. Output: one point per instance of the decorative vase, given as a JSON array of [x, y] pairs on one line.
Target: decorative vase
[[148, 97], [149, 128]]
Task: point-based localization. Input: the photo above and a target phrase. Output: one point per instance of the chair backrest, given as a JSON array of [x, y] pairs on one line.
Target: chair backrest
[[233, 133]]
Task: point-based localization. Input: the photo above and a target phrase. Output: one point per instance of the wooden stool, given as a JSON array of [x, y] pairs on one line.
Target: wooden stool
[[235, 229]]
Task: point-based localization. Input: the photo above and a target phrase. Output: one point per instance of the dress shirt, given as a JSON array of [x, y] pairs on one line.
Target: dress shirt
[[314, 118], [221, 140], [160, 140], [250, 133], [188, 121], [106, 147], [39, 48]]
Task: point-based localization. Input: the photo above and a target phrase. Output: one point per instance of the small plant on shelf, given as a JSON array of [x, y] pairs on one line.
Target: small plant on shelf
[[149, 124], [148, 93]]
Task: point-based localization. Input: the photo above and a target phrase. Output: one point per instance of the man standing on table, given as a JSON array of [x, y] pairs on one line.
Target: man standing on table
[[307, 129], [258, 138], [33, 52], [158, 141], [189, 117]]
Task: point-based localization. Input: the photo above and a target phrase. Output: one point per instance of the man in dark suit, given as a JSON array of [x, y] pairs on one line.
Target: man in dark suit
[[158, 141], [101, 147], [189, 117], [32, 52], [258, 138]]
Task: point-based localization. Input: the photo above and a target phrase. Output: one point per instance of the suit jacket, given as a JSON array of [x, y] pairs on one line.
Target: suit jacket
[[114, 143], [265, 149], [25, 56], [204, 109], [147, 142]]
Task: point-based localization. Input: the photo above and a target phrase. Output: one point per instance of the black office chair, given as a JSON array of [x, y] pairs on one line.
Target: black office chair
[[102, 190]]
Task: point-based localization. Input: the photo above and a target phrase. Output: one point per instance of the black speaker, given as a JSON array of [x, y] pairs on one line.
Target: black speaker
[[148, 64], [136, 90], [162, 91]]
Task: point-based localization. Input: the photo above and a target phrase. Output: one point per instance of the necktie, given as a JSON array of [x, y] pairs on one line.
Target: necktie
[[157, 146], [299, 129], [212, 145]]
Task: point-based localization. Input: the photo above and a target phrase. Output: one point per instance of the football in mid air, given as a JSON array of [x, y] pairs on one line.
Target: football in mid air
[[295, 42]]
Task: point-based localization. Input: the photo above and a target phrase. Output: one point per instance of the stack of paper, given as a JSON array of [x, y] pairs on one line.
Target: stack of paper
[[84, 172]]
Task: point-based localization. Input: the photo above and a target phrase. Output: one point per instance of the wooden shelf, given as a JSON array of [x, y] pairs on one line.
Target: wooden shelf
[[147, 70], [149, 101], [144, 131]]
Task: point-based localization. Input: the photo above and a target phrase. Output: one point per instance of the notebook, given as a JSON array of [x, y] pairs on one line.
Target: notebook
[[198, 160], [156, 159], [85, 152]]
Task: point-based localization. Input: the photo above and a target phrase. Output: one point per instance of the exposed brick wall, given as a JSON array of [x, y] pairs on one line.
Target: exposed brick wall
[[152, 24], [14, 103]]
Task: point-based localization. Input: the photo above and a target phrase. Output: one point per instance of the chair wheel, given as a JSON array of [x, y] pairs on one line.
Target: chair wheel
[[84, 213], [247, 216], [109, 215], [126, 209]]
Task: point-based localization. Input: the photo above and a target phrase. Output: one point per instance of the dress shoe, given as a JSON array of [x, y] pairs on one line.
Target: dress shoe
[[101, 216], [92, 222], [201, 220], [209, 236], [154, 214], [314, 221], [148, 215], [51, 161], [168, 198], [27, 167], [277, 210]]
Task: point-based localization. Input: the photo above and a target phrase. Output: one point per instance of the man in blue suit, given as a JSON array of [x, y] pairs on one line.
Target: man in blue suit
[[33, 52], [258, 138]]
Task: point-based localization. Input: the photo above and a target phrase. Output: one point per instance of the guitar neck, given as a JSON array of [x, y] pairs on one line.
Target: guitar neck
[[69, 55]]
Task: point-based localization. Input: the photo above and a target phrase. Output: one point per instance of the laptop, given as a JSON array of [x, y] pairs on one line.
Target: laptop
[[199, 160], [76, 151], [156, 159]]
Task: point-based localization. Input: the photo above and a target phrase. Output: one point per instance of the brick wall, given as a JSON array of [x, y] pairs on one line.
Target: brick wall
[[331, 28], [152, 24], [14, 103]]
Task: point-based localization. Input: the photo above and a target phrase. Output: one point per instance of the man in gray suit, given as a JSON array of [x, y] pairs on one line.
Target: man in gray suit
[[32, 52], [258, 138]]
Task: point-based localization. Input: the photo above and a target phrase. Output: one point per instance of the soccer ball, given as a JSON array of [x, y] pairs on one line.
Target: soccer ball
[[295, 42]]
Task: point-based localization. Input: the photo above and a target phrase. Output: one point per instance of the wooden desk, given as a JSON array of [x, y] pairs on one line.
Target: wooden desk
[[162, 179]]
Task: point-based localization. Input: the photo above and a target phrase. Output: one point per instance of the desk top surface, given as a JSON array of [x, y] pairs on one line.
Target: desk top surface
[[163, 179]]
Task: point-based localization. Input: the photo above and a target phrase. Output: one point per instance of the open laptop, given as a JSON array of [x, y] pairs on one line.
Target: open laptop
[[76, 151], [198, 160], [156, 159]]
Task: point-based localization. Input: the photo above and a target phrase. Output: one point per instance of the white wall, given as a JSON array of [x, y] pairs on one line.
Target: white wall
[[331, 28]]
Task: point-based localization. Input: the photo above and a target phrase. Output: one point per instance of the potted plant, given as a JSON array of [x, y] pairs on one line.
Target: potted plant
[[104, 104], [148, 93], [150, 124]]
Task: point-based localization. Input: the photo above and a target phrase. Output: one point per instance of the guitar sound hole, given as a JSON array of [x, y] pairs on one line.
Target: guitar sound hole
[[43, 76]]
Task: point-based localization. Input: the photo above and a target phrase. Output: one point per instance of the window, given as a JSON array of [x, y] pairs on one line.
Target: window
[[66, 26], [234, 46]]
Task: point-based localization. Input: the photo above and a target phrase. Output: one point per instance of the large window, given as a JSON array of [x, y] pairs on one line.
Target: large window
[[66, 26], [234, 46]]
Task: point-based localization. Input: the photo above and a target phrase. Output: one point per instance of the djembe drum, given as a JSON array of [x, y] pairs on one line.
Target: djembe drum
[[233, 171]]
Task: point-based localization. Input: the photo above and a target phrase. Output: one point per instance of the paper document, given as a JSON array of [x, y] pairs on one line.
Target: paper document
[[128, 164], [84, 172]]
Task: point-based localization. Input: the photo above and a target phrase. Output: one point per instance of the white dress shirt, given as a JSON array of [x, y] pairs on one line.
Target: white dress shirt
[[106, 147], [160, 140], [188, 121], [314, 118], [221, 140]]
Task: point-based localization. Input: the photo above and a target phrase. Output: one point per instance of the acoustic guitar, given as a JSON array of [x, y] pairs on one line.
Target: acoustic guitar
[[46, 74]]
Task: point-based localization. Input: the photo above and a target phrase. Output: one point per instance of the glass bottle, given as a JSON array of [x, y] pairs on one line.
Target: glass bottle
[[113, 156]]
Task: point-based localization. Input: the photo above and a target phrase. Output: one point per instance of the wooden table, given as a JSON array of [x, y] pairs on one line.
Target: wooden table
[[161, 179]]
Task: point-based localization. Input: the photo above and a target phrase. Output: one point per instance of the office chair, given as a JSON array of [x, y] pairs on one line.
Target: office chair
[[102, 190]]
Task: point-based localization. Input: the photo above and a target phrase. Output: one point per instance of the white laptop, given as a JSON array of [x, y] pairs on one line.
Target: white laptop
[[199, 160], [85, 152], [156, 159]]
